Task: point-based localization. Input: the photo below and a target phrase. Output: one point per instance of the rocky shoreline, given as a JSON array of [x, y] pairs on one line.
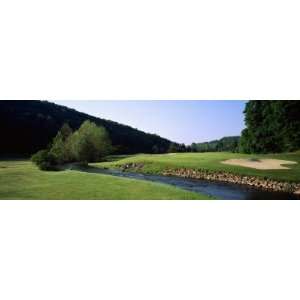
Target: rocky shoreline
[[266, 184]]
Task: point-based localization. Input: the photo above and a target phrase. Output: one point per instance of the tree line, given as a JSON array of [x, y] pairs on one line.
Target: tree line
[[229, 143]]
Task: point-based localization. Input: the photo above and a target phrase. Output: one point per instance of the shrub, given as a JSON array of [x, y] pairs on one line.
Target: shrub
[[45, 160]]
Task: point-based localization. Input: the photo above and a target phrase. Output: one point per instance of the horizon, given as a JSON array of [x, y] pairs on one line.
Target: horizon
[[181, 121]]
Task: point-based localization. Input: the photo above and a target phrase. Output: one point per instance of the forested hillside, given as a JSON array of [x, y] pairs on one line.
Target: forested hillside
[[272, 126], [229, 143], [28, 126]]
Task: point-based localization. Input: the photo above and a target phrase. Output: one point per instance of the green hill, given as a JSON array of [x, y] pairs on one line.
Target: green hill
[[28, 126], [228, 143]]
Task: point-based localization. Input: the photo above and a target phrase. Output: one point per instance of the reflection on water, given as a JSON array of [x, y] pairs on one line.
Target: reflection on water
[[219, 190]]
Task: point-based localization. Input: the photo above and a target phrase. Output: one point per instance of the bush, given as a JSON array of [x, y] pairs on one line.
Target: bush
[[44, 160]]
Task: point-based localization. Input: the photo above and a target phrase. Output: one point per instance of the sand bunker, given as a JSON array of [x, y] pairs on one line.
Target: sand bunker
[[261, 164]]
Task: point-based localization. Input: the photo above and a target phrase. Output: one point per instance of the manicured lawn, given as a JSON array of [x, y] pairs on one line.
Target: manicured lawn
[[210, 161], [22, 180]]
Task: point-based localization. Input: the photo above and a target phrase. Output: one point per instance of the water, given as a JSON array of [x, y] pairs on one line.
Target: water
[[219, 190]]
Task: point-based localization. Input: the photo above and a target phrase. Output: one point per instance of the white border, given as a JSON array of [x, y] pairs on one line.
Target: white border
[[162, 49], [149, 250]]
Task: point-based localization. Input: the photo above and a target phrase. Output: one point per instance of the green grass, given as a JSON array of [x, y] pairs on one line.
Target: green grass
[[155, 164], [22, 180]]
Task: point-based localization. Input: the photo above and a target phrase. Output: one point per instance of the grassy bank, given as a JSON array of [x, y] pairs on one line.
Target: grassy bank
[[20, 179], [212, 161]]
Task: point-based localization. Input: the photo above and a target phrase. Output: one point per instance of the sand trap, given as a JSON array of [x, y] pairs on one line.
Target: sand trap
[[262, 164]]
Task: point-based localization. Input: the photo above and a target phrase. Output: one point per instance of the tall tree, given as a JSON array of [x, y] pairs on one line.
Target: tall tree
[[60, 148], [272, 126], [90, 142]]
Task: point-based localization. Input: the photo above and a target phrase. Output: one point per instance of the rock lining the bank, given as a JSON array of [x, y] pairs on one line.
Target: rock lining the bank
[[253, 181], [266, 184]]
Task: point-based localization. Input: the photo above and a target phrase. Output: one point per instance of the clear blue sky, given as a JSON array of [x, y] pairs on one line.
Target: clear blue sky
[[180, 121]]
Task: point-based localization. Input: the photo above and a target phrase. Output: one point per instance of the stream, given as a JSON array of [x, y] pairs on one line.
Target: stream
[[218, 190]]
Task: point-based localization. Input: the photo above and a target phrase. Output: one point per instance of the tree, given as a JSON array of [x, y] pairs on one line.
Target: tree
[[60, 148], [194, 147], [229, 143], [272, 126], [173, 148], [188, 148], [289, 122], [66, 131], [155, 149], [181, 148], [245, 142], [90, 143]]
